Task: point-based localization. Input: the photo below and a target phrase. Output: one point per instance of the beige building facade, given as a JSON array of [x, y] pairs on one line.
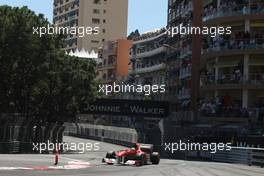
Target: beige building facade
[[105, 19]]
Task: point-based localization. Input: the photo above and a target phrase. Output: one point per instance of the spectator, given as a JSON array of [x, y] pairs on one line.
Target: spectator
[[244, 113], [239, 40]]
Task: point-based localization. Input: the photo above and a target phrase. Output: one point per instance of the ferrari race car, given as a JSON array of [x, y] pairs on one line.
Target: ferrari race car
[[139, 155]]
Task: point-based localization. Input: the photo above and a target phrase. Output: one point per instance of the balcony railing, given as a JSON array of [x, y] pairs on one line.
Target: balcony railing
[[238, 44], [109, 78], [184, 94], [150, 69], [233, 11], [103, 66], [185, 52], [254, 78], [185, 72], [209, 109], [150, 36], [181, 11], [149, 52]]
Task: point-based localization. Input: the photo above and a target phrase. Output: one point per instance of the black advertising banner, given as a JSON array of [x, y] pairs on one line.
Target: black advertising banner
[[144, 108]]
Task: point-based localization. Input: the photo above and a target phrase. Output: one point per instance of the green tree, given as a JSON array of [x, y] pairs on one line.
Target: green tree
[[37, 79]]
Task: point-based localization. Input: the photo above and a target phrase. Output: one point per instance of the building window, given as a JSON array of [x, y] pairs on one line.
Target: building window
[[96, 21], [95, 41], [104, 20], [104, 11], [97, 1], [103, 30], [96, 11]]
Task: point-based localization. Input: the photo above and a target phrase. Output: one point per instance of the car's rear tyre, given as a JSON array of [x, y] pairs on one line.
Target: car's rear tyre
[[155, 158], [110, 155]]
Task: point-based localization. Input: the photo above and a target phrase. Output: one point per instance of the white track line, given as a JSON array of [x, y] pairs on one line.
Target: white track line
[[72, 164]]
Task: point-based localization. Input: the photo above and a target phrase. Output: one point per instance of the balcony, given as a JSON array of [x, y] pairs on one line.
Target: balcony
[[184, 94], [109, 78], [185, 72], [236, 11], [110, 51], [148, 37], [106, 66], [215, 111], [149, 53], [73, 17], [234, 47], [186, 52], [179, 10], [150, 69], [233, 81]]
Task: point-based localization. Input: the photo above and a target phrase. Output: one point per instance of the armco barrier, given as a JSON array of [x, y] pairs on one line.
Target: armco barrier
[[257, 157], [10, 147], [239, 155]]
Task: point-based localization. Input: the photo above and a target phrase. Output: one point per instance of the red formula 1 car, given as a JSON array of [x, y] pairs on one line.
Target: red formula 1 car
[[140, 154]]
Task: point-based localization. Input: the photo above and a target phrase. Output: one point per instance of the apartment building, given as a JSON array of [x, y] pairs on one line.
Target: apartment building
[[184, 55], [115, 61], [216, 84], [148, 60], [212, 77], [110, 17], [233, 76]]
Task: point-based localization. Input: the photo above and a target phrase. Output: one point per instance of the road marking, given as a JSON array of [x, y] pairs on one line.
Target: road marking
[[71, 165], [15, 168], [78, 163], [70, 159]]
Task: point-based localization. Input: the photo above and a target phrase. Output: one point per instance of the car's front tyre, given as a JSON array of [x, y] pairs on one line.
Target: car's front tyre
[[140, 160], [155, 158], [110, 155]]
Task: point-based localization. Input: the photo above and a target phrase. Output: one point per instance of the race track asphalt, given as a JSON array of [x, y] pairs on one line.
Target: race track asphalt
[[89, 164]]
